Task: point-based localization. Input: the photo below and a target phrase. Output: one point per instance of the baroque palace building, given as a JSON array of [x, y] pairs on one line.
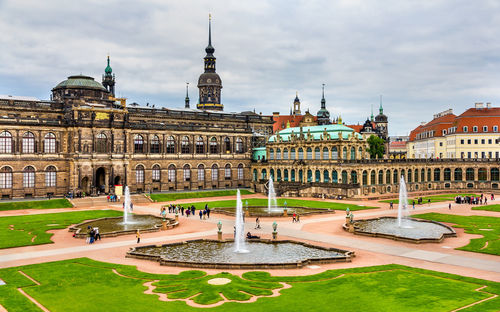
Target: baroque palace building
[[86, 139]]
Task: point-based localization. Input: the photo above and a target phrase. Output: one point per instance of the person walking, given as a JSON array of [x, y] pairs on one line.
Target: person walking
[[449, 206], [294, 217], [208, 213], [97, 234], [201, 214], [413, 203], [391, 205], [257, 223], [138, 236]]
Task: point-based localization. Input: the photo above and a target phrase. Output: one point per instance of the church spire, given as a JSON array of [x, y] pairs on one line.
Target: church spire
[[187, 96], [371, 117], [323, 101], [108, 79], [381, 109], [209, 49]]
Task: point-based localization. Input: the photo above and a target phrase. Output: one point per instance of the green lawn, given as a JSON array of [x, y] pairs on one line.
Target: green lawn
[[87, 285], [489, 227], [29, 230], [433, 198], [487, 208], [36, 204], [174, 196], [281, 201]]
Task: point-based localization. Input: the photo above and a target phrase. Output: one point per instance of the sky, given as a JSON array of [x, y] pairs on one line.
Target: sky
[[423, 57]]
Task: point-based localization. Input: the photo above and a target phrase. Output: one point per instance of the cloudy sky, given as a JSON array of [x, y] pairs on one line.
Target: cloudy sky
[[422, 56]]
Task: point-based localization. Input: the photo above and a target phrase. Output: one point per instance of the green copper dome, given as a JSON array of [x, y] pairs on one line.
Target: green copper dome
[[80, 81]]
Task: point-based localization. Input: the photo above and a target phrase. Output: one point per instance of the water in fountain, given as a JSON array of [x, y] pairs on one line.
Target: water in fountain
[[272, 204], [239, 236], [403, 212], [126, 206]]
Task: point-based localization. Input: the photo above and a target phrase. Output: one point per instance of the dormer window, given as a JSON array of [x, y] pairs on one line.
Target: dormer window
[[474, 129], [466, 129], [495, 128], [485, 128], [444, 131]]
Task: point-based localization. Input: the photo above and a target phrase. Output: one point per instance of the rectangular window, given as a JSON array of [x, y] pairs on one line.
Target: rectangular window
[[50, 179], [5, 180], [495, 128], [215, 174], [475, 141], [240, 174], [483, 141], [469, 155], [490, 141], [227, 173], [469, 141], [139, 176], [201, 174], [462, 141], [474, 129], [187, 174], [485, 128], [171, 175], [29, 179]]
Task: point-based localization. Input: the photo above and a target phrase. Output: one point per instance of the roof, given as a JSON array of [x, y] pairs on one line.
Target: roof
[[479, 117], [280, 121], [434, 127], [80, 81], [18, 98], [334, 131], [397, 145]]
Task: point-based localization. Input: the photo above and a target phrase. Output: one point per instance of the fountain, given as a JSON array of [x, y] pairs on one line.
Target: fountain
[[126, 206], [403, 212], [239, 232], [272, 203]]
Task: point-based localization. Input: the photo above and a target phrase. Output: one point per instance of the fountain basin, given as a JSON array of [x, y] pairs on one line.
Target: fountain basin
[[415, 231], [263, 254], [110, 227], [262, 211]]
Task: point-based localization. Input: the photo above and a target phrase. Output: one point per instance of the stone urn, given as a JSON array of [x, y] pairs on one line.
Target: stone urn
[[164, 224], [275, 230], [219, 230]]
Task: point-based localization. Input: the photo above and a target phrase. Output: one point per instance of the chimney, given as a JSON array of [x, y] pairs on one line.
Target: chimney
[[276, 114], [488, 105], [479, 105]]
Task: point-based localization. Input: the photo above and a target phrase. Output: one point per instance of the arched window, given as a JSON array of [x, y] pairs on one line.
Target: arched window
[[170, 145], [469, 174], [201, 173], [5, 142], [239, 146], [139, 174], [285, 175], [481, 174], [278, 153], [213, 146], [278, 175], [317, 176], [240, 172], [187, 173], [309, 153], [437, 174], [227, 172], [416, 175], [372, 177], [380, 177], [292, 154], [50, 143], [185, 145], [301, 176], [447, 174], [309, 175], [29, 177], [271, 154], [409, 176], [292, 175], [458, 174], [271, 174], [285, 153], [227, 145], [344, 177], [155, 144], [255, 175], [422, 175], [360, 153], [317, 153], [200, 146], [171, 173], [101, 143], [301, 153], [335, 178], [138, 144], [5, 178], [326, 153], [326, 176], [344, 153], [354, 177], [215, 173], [156, 173], [28, 143], [494, 172], [263, 174], [388, 177], [395, 177], [50, 176], [353, 153], [402, 173], [335, 153], [365, 177], [429, 177]]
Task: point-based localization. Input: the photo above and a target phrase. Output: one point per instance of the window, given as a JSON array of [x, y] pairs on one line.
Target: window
[[285, 153], [29, 177], [482, 174], [28, 143], [325, 153], [495, 128], [309, 153], [278, 153], [187, 173], [354, 177], [5, 178], [227, 145], [317, 153], [139, 174], [156, 173], [227, 172], [365, 177], [344, 153], [138, 144], [199, 145], [372, 177], [447, 174], [353, 153], [240, 172], [213, 146], [50, 143], [444, 131], [440, 143], [335, 153], [185, 145], [475, 141], [326, 176], [317, 176], [155, 145], [171, 173], [474, 129], [301, 153], [201, 173], [170, 145], [483, 141], [239, 145], [462, 141], [215, 173], [490, 141], [101, 143], [381, 177], [469, 174], [50, 176], [469, 141], [458, 174], [5, 142], [466, 129], [485, 128], [292, 154], [271, 153], [334, 176]]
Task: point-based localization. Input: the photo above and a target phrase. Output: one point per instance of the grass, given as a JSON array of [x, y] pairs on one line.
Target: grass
[[30, 230], [281, 201], [488, 227], [433, 198], [88, 285], [487, 208], [174, 196], [36, 204]]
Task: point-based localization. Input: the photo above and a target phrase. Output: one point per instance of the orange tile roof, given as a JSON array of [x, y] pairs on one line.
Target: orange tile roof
[[356, 128], [397, 145], [478, 117], [280, 121], [437, 125]]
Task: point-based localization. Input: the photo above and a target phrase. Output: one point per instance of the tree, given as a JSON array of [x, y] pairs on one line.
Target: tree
[[376, 147]]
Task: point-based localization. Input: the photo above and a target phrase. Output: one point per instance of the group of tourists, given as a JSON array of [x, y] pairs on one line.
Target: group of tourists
[[112, 198], [187, 211], [474, 200], [296, 218], [92, 234]]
